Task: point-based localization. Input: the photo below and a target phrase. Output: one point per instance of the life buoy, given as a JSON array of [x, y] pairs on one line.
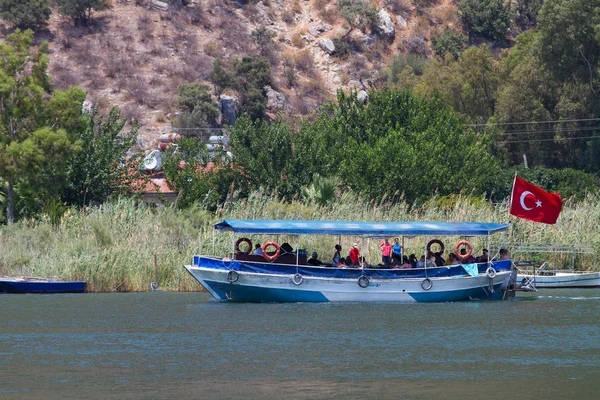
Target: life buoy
[[232, 276], [267, 256], [426, 284], [297, 279], [490, 272], [457, 249], [363, 281], [237, 246], [439, 243]]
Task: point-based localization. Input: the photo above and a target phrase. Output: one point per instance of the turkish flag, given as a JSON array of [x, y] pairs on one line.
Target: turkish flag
[[530, 202]]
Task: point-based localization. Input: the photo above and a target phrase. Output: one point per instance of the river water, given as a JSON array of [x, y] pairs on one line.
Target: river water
[[168, 345]]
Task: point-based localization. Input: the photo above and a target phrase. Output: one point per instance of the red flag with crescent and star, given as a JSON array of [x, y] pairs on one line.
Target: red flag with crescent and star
[[529, 202]]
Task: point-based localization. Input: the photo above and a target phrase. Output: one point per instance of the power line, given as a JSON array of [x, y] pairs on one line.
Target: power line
[[536, 122], [585, 128], [552, 139]]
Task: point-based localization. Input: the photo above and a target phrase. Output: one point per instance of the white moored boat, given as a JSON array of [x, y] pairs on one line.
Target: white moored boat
[[568, 256], [288, 278]]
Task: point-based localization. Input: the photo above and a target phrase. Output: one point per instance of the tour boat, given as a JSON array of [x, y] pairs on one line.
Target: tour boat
[[277, 277], [39, 285]]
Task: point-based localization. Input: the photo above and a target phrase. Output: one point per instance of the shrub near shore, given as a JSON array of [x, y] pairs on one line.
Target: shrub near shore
[[112, 246]]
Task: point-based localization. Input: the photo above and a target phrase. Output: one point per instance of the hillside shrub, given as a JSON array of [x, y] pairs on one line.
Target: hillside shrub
[[79, 10], [486, 19], [25, 13], [449, 42]]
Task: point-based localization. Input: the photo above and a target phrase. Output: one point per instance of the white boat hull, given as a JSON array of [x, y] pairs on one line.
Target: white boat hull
[[262, 287], [581, 280]]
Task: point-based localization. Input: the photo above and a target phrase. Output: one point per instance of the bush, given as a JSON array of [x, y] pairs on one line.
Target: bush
[[486, 19], [415, 63], [304, 61], [79, 10], [342, 48], [25, 13], [449, 42], [195, 98], [417, 45]]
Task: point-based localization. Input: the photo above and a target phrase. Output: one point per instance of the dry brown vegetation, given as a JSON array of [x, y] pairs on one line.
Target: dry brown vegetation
[[136, 57]]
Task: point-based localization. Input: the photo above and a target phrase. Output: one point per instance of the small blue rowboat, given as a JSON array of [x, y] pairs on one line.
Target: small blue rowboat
[[39, 285]]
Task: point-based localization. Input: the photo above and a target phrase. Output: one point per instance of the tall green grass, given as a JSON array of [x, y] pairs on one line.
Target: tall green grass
[[112, 246]]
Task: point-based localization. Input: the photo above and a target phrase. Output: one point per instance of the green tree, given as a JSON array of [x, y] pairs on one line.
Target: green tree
[[253, 75], [25, 13], [221, 78], [263, 152], [358, 13], [102, 168], [263, 38], [468, 84], [485, 19], [526, 13], [449, 42], [23, 83], [197, 177], [80, 10], [569, 42], [397, 143], [199, 109]]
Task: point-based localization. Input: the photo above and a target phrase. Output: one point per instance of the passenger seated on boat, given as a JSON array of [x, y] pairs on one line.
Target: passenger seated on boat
[[405, 263], [342, 263], [412, 259], [421, 262], [483, 257], [396, 260], [354, 255], [258, 250], [439, 260], [336, 256], [314, 259], [430, 261], [504, 254], [466, 260], [452, 260]]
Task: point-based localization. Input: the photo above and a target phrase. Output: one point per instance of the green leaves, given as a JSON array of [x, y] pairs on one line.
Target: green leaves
[[25, 13], [486, 19]]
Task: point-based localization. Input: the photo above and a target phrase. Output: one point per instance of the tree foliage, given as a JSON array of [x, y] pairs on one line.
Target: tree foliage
[[359, 14], [486, 19], [23, 83], [102, 168], [221, 78], [25, 13], [253, 75], [80, 10], [449, 42], [569, 42]]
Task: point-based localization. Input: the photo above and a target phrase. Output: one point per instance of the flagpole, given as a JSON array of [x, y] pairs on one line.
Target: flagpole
[[512, 192]]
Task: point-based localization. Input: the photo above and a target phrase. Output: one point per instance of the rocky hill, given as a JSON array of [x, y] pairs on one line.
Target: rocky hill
[[135, 53]]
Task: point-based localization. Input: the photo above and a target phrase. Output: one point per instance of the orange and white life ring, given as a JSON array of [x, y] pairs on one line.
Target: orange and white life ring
[[267, 256], [457, 246]]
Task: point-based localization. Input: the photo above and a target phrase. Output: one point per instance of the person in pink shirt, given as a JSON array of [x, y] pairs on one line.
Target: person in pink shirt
[[386, 252]]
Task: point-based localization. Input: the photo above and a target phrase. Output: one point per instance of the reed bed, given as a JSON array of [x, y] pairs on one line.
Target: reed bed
[[112, 246]]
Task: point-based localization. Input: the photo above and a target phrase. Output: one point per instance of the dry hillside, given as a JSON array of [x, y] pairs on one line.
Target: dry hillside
[[136, 56]]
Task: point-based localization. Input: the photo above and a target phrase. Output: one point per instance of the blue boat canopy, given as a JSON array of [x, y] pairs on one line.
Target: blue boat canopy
[[366, 229]]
